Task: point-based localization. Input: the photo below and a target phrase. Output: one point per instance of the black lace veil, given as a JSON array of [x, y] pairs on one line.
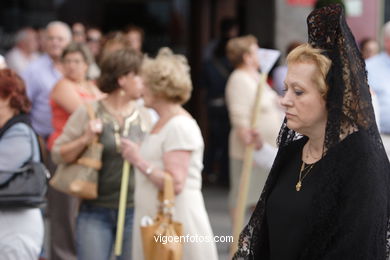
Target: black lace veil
[[348, 103], [348, 99]]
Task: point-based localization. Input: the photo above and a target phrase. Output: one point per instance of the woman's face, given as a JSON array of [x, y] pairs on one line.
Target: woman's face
[[251, 58], [4, 103], [135, 40], [305, 107], [148, 96], [75, 67], [132, 85]]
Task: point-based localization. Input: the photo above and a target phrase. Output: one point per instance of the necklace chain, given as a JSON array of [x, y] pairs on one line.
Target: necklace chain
[[307, 170]]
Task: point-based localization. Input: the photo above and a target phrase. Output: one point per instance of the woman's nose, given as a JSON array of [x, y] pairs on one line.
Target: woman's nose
[[286, 100]]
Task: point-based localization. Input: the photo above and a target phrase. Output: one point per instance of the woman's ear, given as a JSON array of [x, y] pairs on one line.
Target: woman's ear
[[245, 57], [121, 81]]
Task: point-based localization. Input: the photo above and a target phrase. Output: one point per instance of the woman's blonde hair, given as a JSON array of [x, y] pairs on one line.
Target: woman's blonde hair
[[237, 47], [304, 53], [168, 76]]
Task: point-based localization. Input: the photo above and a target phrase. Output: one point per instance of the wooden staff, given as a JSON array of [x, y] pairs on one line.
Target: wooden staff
[[246, 172], [122, 208], [122, 197]]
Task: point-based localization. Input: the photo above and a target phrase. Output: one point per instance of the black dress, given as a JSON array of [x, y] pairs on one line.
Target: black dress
[[287, 209], [343, 211]]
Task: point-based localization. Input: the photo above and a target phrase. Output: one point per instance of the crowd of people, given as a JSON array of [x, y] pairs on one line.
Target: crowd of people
[[326, 196]]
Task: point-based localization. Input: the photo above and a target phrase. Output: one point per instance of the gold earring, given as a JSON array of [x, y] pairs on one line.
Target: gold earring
[[122, 93]]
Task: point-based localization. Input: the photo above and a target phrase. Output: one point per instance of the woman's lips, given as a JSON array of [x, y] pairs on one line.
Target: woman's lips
[[289, 115]]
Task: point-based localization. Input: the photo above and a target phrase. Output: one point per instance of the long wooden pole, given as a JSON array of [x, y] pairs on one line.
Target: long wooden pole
[[123, 192], [122, 208], [122, 198], [246, 172]]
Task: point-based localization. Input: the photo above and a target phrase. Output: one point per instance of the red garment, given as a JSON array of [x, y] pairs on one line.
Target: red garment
[[60, 116]]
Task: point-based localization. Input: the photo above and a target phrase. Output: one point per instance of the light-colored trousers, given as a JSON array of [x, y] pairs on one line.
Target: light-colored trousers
[[21, 234]]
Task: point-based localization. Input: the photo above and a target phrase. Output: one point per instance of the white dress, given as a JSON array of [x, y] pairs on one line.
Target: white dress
[[179, 133]]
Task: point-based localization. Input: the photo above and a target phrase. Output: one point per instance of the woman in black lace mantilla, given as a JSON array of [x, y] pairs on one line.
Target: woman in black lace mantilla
[[327, 195]]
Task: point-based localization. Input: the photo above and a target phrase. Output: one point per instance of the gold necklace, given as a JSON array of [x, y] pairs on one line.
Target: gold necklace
[[307, 170]]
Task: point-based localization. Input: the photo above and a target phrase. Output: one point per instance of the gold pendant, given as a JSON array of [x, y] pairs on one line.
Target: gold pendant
[[298, 186]]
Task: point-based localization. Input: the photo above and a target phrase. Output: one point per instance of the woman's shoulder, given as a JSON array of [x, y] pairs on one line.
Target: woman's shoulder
[[183, 121], [62, 84], [182, 125], [239, 74], [360, 155], [240, 81], [81, 112], [18, 128], [363, 146], [358, 141], [18, 131], [94, 104], [182, 132]]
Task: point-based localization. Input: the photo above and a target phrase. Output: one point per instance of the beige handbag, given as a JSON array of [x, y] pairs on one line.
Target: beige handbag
[[163, 226], [80, 179]]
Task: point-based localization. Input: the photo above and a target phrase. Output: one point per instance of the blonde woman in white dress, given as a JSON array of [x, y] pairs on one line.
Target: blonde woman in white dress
[[174, 146]]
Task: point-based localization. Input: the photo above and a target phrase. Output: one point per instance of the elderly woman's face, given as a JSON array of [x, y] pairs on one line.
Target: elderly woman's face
[[148, 96], [305, 107]]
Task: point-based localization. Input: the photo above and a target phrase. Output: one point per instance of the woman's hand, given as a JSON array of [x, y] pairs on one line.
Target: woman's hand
[[245, 135], [257, 140], [130, 151], [250, 136]]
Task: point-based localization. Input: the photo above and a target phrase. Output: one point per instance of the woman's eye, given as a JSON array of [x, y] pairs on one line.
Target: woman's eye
[[298, 92]]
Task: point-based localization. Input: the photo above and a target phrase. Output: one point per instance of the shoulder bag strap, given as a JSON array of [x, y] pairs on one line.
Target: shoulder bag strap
[[92, 116], [21, 118], [91, 111]]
